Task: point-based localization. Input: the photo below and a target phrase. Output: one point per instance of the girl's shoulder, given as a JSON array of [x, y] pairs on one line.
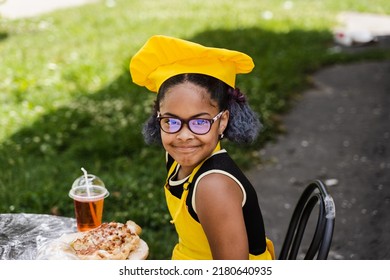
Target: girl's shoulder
[[219, 161]]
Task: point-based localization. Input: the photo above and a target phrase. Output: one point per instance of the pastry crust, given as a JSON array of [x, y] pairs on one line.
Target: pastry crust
[[110, 241]]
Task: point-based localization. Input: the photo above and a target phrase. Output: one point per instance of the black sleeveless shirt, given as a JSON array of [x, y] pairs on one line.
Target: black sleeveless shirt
[[253, 218]]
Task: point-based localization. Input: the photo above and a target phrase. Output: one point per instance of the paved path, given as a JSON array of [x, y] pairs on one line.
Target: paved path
[[339, 132], [14, 9]]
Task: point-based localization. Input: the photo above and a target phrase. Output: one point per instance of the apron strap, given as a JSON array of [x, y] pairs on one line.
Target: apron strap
[[186, 184]]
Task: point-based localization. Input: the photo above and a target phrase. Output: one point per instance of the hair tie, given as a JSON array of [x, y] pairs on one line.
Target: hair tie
[[236, 95]]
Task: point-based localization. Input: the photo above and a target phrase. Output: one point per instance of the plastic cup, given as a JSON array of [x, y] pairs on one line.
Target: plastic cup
[[88, 205]]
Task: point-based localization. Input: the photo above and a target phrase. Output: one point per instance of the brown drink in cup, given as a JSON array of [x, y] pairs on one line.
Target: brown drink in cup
[[88, 193], [88, 206]]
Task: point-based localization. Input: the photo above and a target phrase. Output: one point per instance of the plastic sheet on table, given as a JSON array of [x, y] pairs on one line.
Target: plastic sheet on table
[[22, 235]]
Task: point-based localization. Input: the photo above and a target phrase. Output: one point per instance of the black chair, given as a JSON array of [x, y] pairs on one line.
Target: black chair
[[314, 194]]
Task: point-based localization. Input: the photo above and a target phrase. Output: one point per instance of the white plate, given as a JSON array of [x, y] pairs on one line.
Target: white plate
[[60, 249]]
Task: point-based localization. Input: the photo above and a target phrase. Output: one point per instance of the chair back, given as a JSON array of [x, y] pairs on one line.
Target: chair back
[[314, 194]]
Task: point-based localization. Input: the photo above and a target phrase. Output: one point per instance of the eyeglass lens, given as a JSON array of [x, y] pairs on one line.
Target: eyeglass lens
[[197, 126]]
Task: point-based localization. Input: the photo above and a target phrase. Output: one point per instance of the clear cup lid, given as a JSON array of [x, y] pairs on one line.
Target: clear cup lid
[[93, 180], [88, 193]]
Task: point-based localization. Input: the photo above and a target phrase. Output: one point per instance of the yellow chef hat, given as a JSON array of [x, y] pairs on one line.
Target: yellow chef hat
[[163, 57]]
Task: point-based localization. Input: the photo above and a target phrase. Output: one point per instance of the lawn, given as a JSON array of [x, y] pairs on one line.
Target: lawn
[[67, 100]]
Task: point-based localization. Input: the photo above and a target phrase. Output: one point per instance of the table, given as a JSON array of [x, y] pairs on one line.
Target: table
[[22, 234]]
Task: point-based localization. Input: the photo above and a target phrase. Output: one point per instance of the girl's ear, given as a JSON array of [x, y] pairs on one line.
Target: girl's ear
[[224, 121]]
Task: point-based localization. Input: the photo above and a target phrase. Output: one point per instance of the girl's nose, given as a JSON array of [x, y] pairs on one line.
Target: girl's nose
[[185, 133]]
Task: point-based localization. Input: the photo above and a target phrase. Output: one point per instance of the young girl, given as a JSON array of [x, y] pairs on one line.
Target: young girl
[[213, 205]]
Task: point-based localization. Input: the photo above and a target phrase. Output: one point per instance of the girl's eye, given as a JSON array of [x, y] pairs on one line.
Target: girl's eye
[[173, 122], [199, 122]]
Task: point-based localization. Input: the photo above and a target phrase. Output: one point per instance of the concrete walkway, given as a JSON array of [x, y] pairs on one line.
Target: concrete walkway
[[14, 9], [339, 131]]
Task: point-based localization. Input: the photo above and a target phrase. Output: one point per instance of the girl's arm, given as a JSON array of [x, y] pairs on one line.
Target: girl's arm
[[219, 208]]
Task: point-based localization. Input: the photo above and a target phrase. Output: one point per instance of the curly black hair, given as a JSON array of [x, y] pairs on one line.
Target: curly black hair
[[244, 124]]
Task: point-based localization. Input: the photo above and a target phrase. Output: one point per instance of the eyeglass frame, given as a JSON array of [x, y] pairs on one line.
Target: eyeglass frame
[[186, 122]]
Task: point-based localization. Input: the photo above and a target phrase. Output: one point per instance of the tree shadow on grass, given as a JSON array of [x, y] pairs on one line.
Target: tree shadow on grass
[[3, 35], [102, 132], [107, 124]]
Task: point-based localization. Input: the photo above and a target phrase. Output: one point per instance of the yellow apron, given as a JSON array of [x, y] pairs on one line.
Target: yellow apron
[[193, 243]]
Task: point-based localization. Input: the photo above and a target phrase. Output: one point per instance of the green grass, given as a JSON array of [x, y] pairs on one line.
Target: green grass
[[67, 100]]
